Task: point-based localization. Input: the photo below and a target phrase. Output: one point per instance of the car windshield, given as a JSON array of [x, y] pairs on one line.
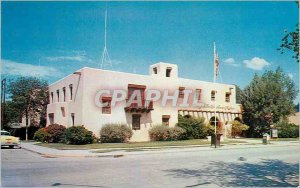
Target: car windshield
[[5, 133]]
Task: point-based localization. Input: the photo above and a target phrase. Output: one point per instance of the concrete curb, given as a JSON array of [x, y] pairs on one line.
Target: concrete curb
[[122, 153]]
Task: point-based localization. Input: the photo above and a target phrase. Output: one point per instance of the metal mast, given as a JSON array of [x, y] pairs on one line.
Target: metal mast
[[215, 105], [105, 61]]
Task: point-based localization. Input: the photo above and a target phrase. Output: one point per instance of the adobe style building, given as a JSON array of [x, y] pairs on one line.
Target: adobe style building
[[73, 98]]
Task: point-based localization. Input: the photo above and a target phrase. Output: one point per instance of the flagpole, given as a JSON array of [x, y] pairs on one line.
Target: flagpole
[[215, 79]]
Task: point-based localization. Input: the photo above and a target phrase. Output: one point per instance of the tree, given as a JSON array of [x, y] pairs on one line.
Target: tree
[[238, 94], [30, 96], [237, 128], [266, 100], [290, 42], [12, 114]]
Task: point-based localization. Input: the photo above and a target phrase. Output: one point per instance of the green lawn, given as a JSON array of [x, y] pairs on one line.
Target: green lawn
[[132, 145], [285, 139]]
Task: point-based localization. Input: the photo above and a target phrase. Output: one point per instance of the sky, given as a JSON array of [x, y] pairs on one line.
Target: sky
[[54, 39]]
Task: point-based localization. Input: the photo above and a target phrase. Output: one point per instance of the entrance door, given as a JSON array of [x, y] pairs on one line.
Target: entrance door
[[136, 121]]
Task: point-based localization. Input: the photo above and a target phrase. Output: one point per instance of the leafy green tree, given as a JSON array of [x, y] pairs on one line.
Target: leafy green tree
[[11, 114], [237, 128], [238, 94], [30, 97], [266, 100], [290, 42]]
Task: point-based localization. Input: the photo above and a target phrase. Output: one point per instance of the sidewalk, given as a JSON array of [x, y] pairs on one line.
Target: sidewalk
[[119, 152]]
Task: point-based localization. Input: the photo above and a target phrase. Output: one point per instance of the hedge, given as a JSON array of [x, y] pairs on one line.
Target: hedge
[[287, 130], [165, 133], [79, 135], [115, 133]]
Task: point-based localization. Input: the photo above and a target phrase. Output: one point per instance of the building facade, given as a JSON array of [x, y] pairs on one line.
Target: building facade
[[73, 100]]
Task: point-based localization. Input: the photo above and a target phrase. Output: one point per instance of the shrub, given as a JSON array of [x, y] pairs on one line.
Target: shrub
[[195, 127], [165, 133], [42, 135], [115, 133], [287, 130], [78, 135], [57, 133], [237, 128]]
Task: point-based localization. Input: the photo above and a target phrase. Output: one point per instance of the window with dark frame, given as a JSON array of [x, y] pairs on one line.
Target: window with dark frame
[[71, 91], [181, 92], [106, 109], [165, 120], [63, 113], [213, 95], [133, 87], [51, 97], [57, 92], [198, 94], [168, 72], [51, 118], [64, 93], [227, 97], [73, 118], [155, 70], [136, 121]]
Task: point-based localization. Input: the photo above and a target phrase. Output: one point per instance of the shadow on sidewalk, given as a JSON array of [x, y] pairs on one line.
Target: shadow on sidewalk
[[268, 173]]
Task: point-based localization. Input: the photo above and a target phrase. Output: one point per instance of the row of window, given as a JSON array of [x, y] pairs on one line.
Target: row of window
[[198, 94], [63, 94], [168, 71], [136, 121], [51, 117]]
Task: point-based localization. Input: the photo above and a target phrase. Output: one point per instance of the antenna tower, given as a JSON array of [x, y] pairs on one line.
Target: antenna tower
[[105, 61]]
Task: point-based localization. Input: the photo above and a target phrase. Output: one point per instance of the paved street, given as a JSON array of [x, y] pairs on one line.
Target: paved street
[[265, 166]]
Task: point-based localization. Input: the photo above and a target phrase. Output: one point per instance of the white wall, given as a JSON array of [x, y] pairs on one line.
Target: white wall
[[92, 80]]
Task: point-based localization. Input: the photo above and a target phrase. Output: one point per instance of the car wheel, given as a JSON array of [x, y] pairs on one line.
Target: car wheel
[[11, 147]]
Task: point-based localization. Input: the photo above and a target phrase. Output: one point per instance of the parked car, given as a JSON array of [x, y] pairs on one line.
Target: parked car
[[8, 140]]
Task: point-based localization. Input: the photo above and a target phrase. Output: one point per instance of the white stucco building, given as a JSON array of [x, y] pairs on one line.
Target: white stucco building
[[72, 99]]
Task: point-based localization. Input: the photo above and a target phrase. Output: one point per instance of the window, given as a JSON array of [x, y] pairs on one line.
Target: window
[[57, 92], [168, 72], [155, 70], [64, 93], [51, 97], [106, 109], [181, 92], [198, 94], [51, 118], [165, 120], [213, 95], [63, 111], [133, 87], [227, 97], [71, 91], [136, 121], [73, 118]]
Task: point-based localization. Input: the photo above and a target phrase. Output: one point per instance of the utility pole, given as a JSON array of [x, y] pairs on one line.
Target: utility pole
[[3, 94]]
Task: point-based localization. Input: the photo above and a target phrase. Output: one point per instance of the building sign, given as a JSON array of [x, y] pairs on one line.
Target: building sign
[[274, 133], [205, 106]]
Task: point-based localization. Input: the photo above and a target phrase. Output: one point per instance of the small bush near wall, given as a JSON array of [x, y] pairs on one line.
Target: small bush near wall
[[57, 133], [115, 133], [287, 130], [79, 135], [42, 135], [165, 133], [195, 127]]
